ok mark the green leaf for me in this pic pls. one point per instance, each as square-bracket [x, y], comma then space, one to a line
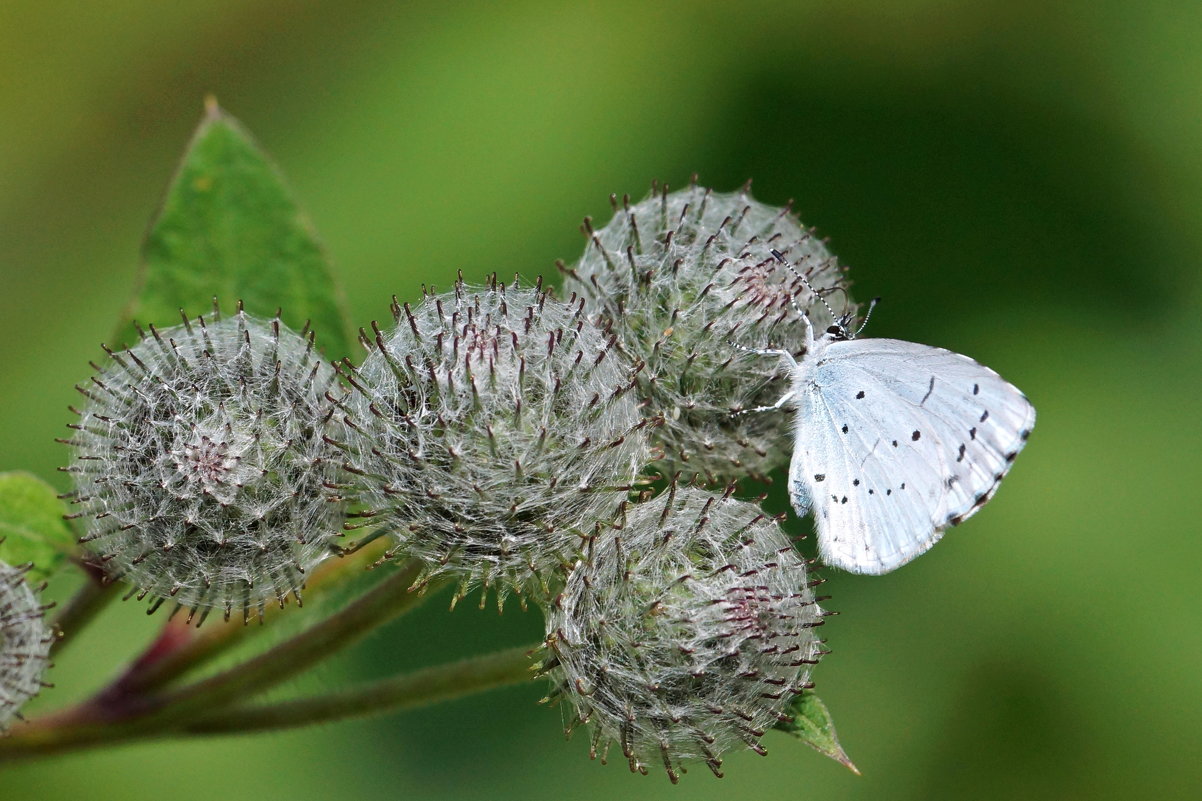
[31, 525]
[229, 228]
[812, 725]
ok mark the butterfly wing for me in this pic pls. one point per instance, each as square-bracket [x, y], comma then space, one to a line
[895, 442]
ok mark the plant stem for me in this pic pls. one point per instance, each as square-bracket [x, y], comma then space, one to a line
[426, 686]
[181, 649]
[374, 608]
[108, 719]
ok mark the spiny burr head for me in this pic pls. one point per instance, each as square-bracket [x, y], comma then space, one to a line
[488, 432]
[24, 643]
[688, 281]
[200, 464]
[684, 632]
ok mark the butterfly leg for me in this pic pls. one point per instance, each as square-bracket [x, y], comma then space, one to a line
[781, 354]
[768, 351]
[788, 396]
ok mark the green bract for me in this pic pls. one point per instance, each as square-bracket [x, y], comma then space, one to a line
[32, 530]
[230, 227]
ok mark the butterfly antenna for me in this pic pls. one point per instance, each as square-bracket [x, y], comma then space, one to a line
[781, 258]
[871, 305]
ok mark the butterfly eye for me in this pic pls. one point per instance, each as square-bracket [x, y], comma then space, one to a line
[837, 331]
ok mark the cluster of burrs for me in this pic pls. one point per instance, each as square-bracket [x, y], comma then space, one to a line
[508, 440]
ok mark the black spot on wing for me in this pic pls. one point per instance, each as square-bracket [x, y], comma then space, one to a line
[979, 500]
[930, 389]
[860, 395]
[820, 476]
[916, 436]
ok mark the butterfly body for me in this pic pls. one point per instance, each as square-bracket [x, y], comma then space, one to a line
[895, 442]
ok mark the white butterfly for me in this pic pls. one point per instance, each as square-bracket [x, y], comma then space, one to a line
[894, 442]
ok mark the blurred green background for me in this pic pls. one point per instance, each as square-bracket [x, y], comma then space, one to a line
[1021, 181]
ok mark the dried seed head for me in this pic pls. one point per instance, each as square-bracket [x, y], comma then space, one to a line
[24, 643]
[200, 464]
[680, 277]
[488, 431]
[686, 631]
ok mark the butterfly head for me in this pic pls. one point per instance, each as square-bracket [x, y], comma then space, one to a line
[842, 329]
[839, 331]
